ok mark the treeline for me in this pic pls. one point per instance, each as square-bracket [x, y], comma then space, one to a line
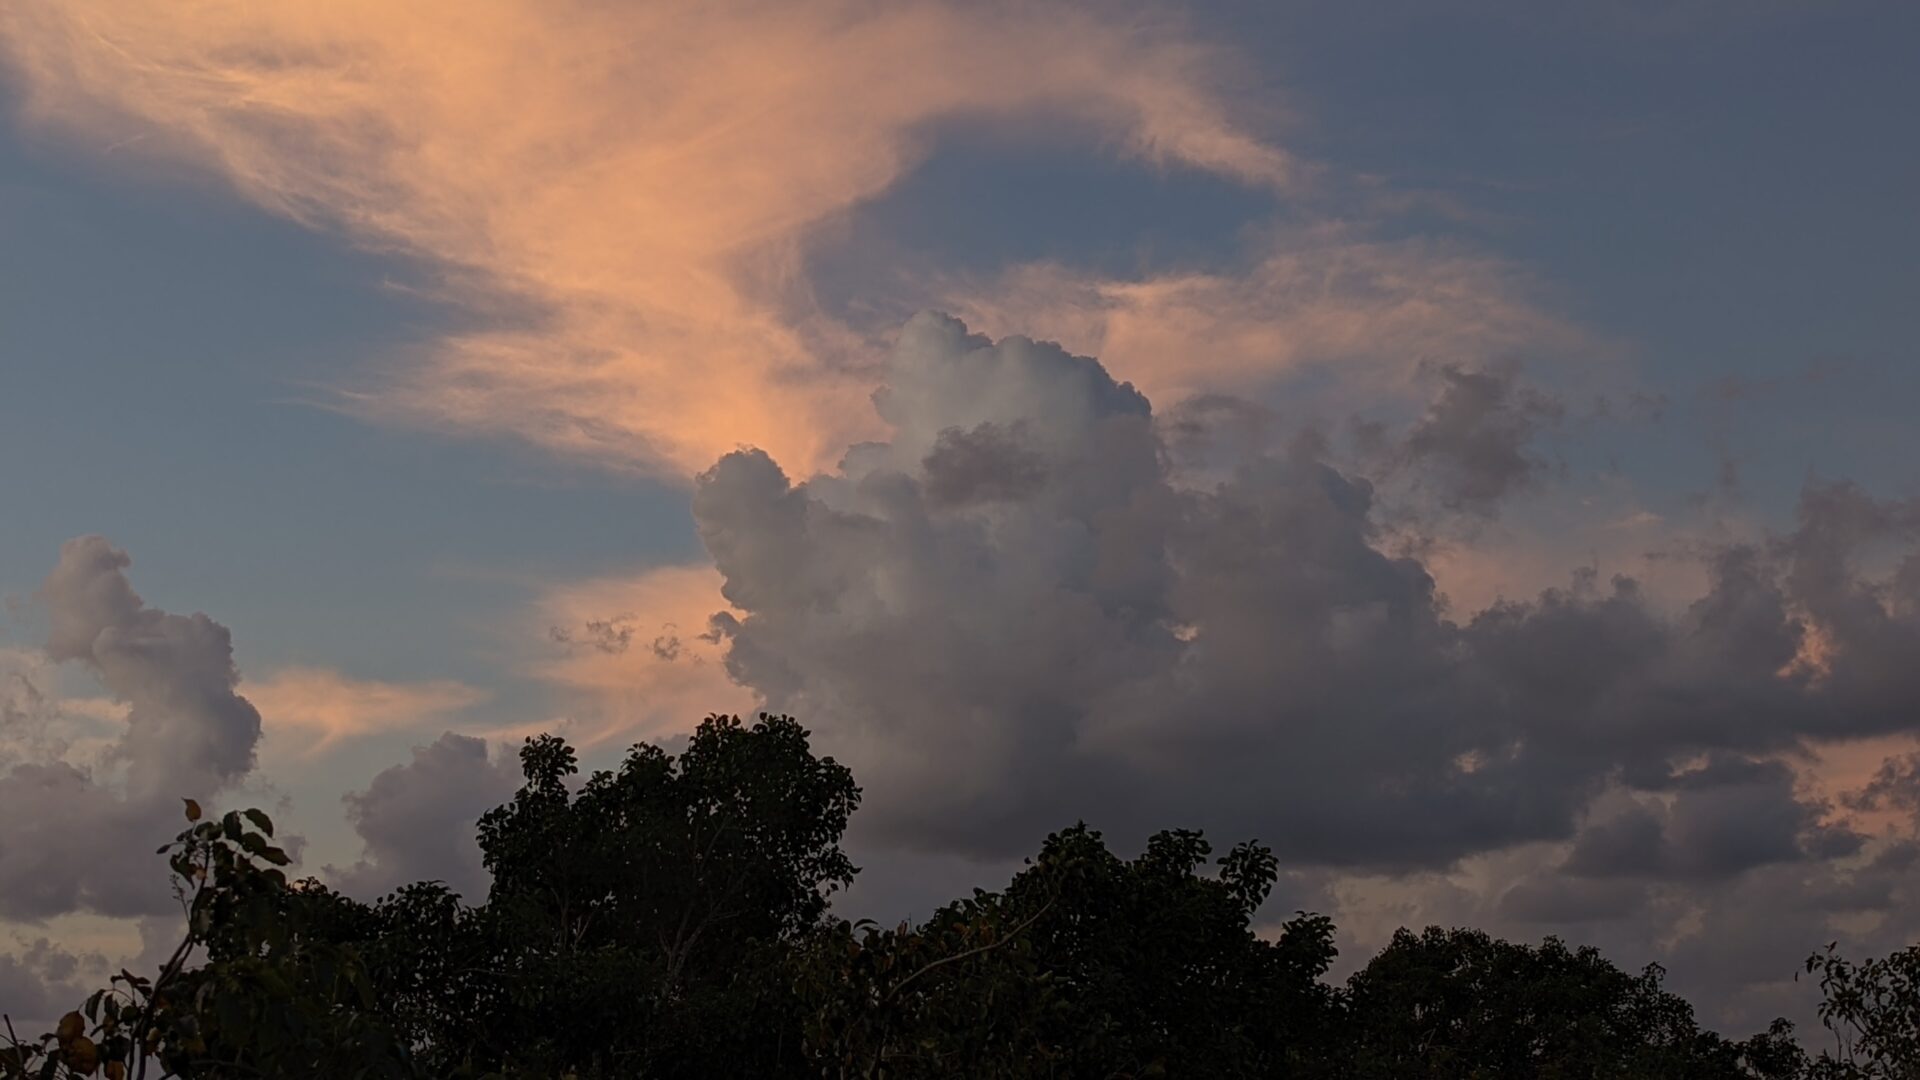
[669, 919]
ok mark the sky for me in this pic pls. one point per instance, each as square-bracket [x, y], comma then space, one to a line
[1466, 446]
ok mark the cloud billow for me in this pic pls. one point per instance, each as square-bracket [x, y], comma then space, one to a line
[1013, 613]
[416, 820]
[188, 732]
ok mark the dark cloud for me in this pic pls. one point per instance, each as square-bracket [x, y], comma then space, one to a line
[1207, 435]
[1632, 844]
[1129, 644]
[987, 464]
[1561, 902]
[88, 842]
[1475, 438]
[1895, 786]
[40, 981]
[417, 819]
[1731, 918]
[82, 847]
[1722, 819]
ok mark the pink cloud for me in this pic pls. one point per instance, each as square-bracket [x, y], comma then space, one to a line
[632, 180]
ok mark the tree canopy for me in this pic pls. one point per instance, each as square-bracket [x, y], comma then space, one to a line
[671, 918]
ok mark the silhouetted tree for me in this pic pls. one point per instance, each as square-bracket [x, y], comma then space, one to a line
[1872, 1009]
[668, 918]
[1087, 965]
[1461, 1004]
[256, 987]
[635, 927]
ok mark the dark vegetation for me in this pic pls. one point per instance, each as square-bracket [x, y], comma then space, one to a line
[669, 919]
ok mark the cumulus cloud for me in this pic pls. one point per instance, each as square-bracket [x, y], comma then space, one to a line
[1079, 626]
[416, 820]
[1723, 818]
[40, 981]
[186, 732]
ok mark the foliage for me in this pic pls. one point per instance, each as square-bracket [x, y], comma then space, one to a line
[1872, 1009]
[1087, 965]
[1458, 1003]
[270, 997]
[669, 918]
[635, 926]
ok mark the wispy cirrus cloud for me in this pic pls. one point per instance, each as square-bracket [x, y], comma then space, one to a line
[1326, 298]
[631, 183]
[321, 707]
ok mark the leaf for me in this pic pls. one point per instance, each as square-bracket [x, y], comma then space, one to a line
[72, 1026]
[193, 809]
[261, 821]
[82, 1056]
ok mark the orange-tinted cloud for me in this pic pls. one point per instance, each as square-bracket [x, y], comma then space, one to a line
[628, 183]
[631, 653]
[324, 707]
[1321, 297]
[1837, 770]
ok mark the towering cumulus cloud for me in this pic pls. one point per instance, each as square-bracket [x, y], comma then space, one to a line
[1018, 614]
[1014, 613]
[87, 843]
[188, 732]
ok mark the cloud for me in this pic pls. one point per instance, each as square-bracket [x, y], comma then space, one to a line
[417, 820]
[186, 733]
[1732, 944]
[627, 190]
[636, 657]
[1726, 817]
[1727, 870]
[325, 706]
[1244, 654]
[1329, 301]
[37, 724]
[1476, 436]
[1895, 786]
[39, 981]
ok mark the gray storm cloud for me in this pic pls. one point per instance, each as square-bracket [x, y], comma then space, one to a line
[40, 982]
[416, 820]
[87, 842]
[1476, 436]
[1020, 611]
[1012, 613]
